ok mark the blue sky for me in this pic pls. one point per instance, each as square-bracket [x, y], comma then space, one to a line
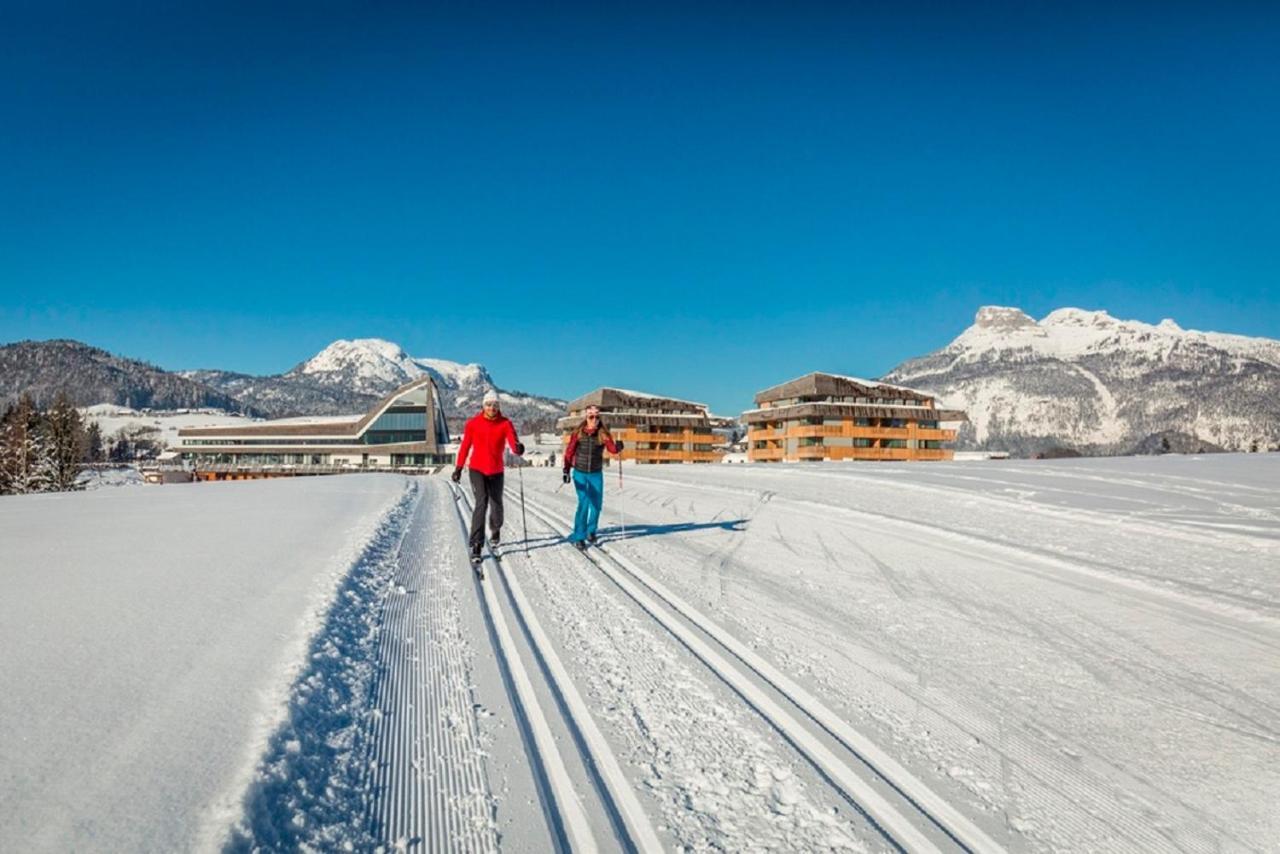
[700, 203]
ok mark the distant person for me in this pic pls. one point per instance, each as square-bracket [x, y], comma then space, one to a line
[551, 461]
[584, 457]
[483, 438]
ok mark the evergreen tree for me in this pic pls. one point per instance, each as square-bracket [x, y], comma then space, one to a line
[93, 451]
[22, 451]
[65, 441]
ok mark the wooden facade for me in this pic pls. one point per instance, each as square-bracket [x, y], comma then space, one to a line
[828, 417]
[652, 429]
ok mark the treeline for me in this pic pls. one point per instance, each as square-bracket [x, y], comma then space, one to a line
[44, 450]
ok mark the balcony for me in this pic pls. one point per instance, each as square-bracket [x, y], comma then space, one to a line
[684, 437]
[852, 430]
[764, 454]
[643, 456]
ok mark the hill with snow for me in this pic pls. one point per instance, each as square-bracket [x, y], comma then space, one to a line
[1102, 385]
[348, 376]
[91, 376]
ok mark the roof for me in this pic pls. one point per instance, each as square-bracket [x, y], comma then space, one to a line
[353, 426]
[818, 384]
[608, 399]
[630, 419]
[851, 410]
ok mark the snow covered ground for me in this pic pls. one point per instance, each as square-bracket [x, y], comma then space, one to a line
[111, 419]
[151, 638]
[1034, 656]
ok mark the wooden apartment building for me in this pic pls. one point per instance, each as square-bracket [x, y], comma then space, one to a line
[829, 417]
[653, 429]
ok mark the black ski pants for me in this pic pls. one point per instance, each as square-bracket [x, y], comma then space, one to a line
[487, 489]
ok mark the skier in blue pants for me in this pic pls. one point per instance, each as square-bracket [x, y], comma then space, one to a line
[584, 457]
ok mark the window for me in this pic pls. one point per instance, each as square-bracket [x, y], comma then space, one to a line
[929, 425]
[896, 443]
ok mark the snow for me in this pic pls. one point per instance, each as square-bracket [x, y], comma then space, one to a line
[455, 374]
[1084, 651]
[111, 419]
[1072, 332]
[1072, 655]
[150, 640]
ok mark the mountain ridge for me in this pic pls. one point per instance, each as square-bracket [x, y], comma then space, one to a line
[1087, 380]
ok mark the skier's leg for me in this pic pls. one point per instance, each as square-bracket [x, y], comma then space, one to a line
[480, 490]
[580, 515]
[495, 503]
[595, 499]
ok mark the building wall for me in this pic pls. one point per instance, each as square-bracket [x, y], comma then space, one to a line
[794, 440]
[682, 445]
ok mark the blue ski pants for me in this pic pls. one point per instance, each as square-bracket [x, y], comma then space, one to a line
[590, 487]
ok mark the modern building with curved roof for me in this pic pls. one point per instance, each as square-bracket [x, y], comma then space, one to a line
[404, 430]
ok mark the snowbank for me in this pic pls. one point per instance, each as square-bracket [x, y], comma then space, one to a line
[151, 638]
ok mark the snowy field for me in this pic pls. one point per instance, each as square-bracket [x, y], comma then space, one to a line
[1029, 656]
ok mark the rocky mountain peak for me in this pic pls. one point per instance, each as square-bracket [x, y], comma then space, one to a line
[1090, 381]
[1079, 317]
[998, 317]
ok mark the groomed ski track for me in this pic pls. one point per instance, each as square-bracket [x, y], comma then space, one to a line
[618, 699]
[912, 817]
[563, 804]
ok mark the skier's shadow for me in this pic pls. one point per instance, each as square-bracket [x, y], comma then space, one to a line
[629, 532]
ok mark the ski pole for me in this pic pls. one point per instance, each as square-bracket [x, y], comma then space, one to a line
[621, 512]
[524, 521]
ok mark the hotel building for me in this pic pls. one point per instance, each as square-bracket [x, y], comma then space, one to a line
[828, 417]
[653, 429]
[403, 431]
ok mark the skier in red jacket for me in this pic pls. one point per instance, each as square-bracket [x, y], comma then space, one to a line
[483, 438]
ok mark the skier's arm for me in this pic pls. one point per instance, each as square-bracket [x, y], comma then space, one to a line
[570, 451]
[516, 447]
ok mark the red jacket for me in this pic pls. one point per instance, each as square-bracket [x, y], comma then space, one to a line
[484, 439]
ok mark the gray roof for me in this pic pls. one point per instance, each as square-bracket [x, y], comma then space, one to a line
[851, 410]
[819, 384]
[615, 398]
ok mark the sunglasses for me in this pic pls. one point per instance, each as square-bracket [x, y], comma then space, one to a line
[492, 403]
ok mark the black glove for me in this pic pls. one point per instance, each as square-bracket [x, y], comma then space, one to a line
[519, 449]
[619, 444]
[456, 476]
[566, 476]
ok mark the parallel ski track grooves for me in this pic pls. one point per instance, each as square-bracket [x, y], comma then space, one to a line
[890, 819]
[575, 827]
[429, 781]
[1015, 747]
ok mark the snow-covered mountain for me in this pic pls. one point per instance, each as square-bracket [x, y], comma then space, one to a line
[1096, 383]
[375, 367]
[350, 375]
